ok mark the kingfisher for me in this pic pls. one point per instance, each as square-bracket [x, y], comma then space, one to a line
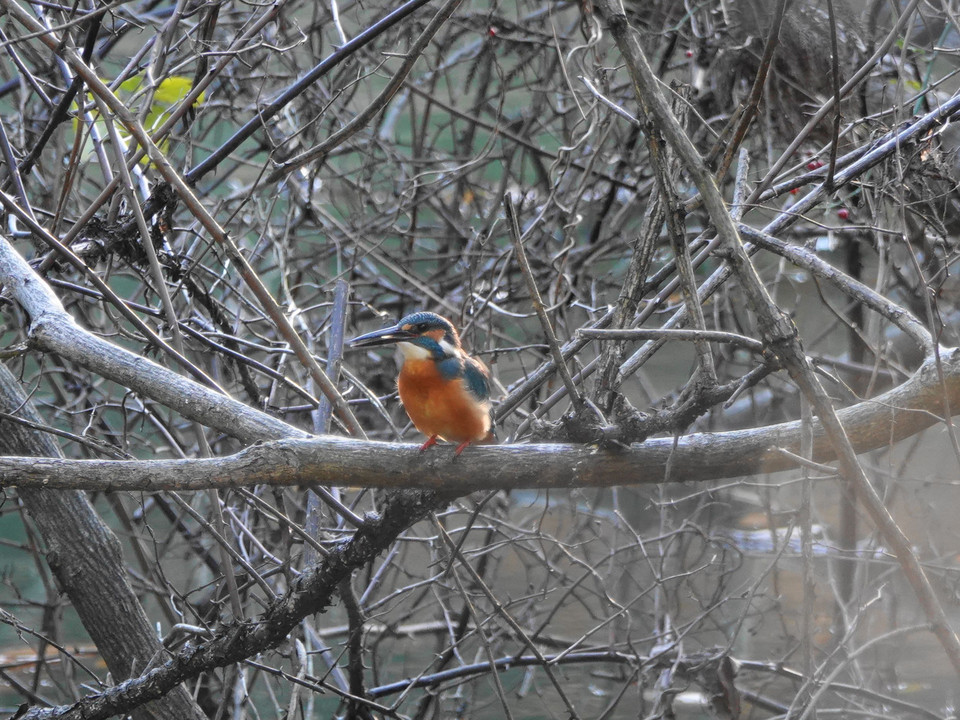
[445, 392]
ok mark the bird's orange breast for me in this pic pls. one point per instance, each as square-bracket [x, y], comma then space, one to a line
[441, 406]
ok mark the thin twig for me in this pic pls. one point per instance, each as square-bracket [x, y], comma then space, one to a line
[835, 75]
[294, 91]
[362, 119]
[561, 366]
[675, 334]
[749, 109]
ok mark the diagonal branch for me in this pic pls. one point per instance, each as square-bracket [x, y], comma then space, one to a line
[778, 330]
[53, 330]
[310, 593]
[206, 219]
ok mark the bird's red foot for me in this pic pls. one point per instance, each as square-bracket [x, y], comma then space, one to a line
[460, 448]
[432, 440]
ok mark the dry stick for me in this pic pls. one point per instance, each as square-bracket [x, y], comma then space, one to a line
[355, 618]
[835, 140]
[321, 425]
[203, 447]
[753, 102]
[673, 213]
[739, 205]
[205, 37]
[806, 544]
[684, 334]
[199, 211]
[320, 495]
[106, 291]
[160, 49]
[320, 152]
[13, 172]
[561, 365]
[779, 330]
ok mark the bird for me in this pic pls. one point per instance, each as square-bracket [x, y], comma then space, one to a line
[445, 392]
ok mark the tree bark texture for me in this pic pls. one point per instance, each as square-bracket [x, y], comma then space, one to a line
[86, 560]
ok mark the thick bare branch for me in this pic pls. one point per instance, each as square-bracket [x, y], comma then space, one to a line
[872, 424]
[53, 330]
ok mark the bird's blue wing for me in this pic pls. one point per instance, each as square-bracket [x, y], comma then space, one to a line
[477, 379]
[473, 372]
[450, 368]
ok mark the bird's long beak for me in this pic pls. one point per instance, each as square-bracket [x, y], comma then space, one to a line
[385, 336]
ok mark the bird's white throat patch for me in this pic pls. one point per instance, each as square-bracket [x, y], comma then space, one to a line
[412, 351]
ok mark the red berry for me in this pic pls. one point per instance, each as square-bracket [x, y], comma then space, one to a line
[689, 53]
[814, 165]
[492, 31]
[794, 191]
[843, 213]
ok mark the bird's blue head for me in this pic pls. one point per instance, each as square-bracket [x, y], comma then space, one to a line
[420, 334]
